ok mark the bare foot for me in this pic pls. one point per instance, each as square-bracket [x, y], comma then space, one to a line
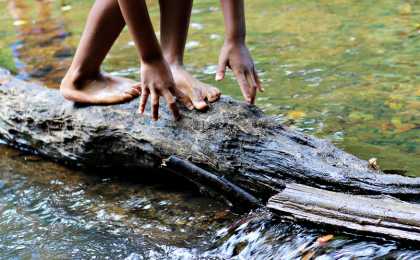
[102, 89]
[195, 91]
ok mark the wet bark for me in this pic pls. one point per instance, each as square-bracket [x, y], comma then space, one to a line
[249, 149]
[381, 215]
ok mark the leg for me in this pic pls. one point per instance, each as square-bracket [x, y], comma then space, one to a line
[84, 82]
[175, 18]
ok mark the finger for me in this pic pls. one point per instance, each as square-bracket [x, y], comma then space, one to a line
[155, 105]
[221, 69]
[253, 87]
[243, 83]
[184, 99]
[257, 79]
[172, 104]
[143, 99]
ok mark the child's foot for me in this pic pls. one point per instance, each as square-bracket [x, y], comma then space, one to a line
[102, 89]
[195, 90]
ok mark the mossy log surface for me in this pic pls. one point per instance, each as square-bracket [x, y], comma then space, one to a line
[382, 215]
[232, 139]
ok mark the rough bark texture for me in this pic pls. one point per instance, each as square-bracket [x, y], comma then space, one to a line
[382, 215]
[233, 140]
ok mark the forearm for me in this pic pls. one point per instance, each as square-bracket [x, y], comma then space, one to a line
[141, 29]
[235, 54]
[234, 16]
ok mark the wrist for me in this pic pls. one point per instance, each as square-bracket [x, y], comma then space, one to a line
[234, 41]
[152, 58]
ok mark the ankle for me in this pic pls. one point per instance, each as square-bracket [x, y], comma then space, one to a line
[77, 75]
[173, 60]
[176, 66]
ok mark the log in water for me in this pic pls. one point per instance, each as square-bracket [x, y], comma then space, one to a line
[381, 215]
[233, 147]
[232, 139]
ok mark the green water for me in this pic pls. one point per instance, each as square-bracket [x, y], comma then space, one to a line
[340, 69]
[343, 70]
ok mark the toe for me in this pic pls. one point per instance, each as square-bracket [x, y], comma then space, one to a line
[213, 94]
[132, 92]
[137, 87]
[198, 100]
[200, 104]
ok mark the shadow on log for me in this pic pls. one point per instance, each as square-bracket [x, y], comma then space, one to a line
[381, 215]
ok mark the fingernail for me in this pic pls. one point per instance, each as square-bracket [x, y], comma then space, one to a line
[219, 77]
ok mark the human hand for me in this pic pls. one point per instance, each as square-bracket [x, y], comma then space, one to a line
[156, 81]
[236, 56]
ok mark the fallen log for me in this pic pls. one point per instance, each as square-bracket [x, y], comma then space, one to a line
[381, 215]
[233, 148]
[231, 139]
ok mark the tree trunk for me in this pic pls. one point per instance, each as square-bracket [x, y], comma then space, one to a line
[381, 215]
[231, 139]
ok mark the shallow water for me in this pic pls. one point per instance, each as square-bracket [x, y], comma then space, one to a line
[51, 212]
[343, 70]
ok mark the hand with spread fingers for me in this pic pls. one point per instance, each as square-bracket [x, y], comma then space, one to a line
[156, 75]
[236, 56]
[156, 82]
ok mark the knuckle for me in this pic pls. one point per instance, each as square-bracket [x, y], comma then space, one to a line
[169, 85]
[248, 68]
[241, 69]
[237, 70]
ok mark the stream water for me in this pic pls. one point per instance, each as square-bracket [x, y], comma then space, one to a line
[343, 70]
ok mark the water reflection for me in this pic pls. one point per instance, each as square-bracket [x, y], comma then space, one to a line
[40, 49]
[52, 212]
